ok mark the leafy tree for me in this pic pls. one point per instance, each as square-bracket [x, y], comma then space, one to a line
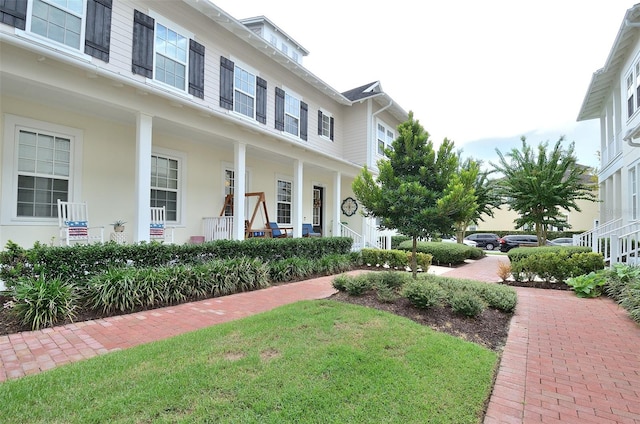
[538, 184]
[460, 202]
[409, 183]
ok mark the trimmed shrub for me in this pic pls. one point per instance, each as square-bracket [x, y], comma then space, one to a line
[356, 286]
[466, 303]
[444, 253]
[424, 294]
[553, 263]
[42, 303]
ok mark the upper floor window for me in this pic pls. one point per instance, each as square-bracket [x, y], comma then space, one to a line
[40, 166]
[284, 48]
[325, 125]
[242, 91]
[166, 53]
[631, 89]
[385, 137]
[171, 57]
[58, 20]
[291, 114]
[70, 24]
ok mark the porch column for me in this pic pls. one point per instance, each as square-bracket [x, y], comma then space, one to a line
[296, 213]
[240, 169]
[616, 203]
[337, 196]
[144, 129]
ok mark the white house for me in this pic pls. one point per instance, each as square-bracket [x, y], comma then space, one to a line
[133, 104]
[613, 97]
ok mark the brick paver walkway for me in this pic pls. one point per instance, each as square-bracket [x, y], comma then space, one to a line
[567, 360]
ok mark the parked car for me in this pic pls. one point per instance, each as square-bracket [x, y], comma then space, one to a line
[563, 241]
[487, 241]
[451, 239]
[509, 242]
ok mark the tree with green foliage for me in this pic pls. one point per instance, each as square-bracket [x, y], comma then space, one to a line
[460, 202]
[540, 184]
[410, 181]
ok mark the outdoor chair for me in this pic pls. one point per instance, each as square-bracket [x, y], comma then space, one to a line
[307, 231]
[158, 229]
[280, 232]
[73, 221]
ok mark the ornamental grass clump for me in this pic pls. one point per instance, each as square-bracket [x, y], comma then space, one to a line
[42, 303]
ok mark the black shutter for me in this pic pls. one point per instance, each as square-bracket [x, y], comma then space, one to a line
[98, 29]
[279, 109]
[261, 100]
[143, 27]
[331, 129]
[14, 13]
[196, 69]
[226, 83]
[319, 122]
[304, 118]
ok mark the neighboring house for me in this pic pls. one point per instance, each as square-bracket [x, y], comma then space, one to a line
[503, 219]
[613, 97]
[129, 104]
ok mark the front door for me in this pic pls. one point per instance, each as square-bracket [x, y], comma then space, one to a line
[318, 200]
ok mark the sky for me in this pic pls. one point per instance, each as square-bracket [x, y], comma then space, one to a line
[480, 73]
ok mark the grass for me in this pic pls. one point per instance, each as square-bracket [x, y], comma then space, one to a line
[308, 362]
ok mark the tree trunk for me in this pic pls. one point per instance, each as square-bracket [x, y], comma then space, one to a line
[414, 258]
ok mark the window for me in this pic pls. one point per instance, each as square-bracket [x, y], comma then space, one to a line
[291, 114]
[166, 53]
[284, 48]
[242, 91]
[385, 138]
[39, 163]
[58, 20]
[273, 40]
[283, 211]
[630, 93]
[43, 173]
[633, 188]
[165, 185]
[325, 125]
[69, 23]
[171, 57]
[229, 187]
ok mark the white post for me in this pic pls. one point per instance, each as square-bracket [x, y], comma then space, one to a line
[337, 185]
[614, 250]
[298, 172]
[240, 169]
[144, 141]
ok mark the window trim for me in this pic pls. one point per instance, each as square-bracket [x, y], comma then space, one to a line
[387, 129]
[181, 157]
[239, 64]
[167, 23]
[289, 180]
[322, 113]
[46, 41]
[634, 186]
[12, 125]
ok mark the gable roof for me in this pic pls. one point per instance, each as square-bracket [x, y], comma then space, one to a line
[603, 80]
[364, 91]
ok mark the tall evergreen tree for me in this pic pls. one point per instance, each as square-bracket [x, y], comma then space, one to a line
[409, 183]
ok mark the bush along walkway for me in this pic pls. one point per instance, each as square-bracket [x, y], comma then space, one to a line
[35, 351]
[567, 359]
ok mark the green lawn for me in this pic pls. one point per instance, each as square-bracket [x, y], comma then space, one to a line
[309, 362]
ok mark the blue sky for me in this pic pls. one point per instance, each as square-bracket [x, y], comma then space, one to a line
[482, 73]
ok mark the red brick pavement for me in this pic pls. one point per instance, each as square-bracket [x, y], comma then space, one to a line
[566, 360]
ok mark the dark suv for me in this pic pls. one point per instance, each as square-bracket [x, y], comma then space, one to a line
[487, 241]
[509, 242]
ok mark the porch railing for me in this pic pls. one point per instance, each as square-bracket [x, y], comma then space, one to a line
[357, 238]
[616, 242]
[217, 228]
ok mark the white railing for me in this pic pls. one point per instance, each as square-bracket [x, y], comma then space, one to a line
[616, 242]
[357, 244]
[217, 228]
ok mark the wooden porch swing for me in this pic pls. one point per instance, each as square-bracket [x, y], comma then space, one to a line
[249, 230]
